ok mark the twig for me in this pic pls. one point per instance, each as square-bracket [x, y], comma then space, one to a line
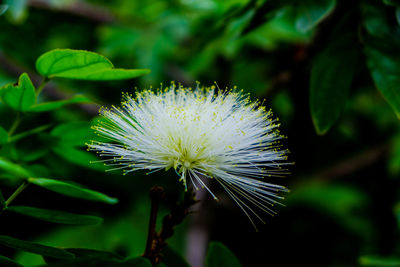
[80, 9]
[36, 130]
[156, 194]
[178, 213]
[41, 86]
[156, 242]
[15, 125]
[15, 194]
[354, 163]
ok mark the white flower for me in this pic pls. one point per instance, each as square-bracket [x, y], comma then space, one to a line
[203, 133]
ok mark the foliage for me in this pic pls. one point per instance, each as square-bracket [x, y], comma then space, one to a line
[329, 69]
[22, 97]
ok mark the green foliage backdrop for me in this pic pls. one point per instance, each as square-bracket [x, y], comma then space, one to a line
[329, 69]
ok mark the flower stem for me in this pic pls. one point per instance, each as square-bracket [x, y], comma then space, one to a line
[156, 241]
[41, 86]
[28, 133]
[15, 125]
[15, 194]
[156, 194]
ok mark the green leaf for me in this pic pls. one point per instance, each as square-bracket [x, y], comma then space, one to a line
[72, 190]
[378, 261]
[127, 229]
[3, 136]
[381, 48]
[219, 255]
[13, 169]
[35, 248]
[56, 216]
[20, 96]
[332, 72]
[385, 71]
[4, 261]
[38, 170]
[83, 65]
[76, 133]
[79, 157]
[3, 9]
[311, 13]
[375, 20]
[138, 262]
[69, 63]
[47, 106]
[171, 258]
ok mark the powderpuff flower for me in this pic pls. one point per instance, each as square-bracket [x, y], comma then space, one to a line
[202, 133]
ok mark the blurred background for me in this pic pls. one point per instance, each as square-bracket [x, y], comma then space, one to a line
[329, 70]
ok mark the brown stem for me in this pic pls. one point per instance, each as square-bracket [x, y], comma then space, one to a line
[156, 242]
[178, 213]
[156, 194]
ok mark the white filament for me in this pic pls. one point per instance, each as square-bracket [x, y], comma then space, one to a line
[201, 133]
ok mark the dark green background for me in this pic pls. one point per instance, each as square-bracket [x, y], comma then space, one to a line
[330, 70]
